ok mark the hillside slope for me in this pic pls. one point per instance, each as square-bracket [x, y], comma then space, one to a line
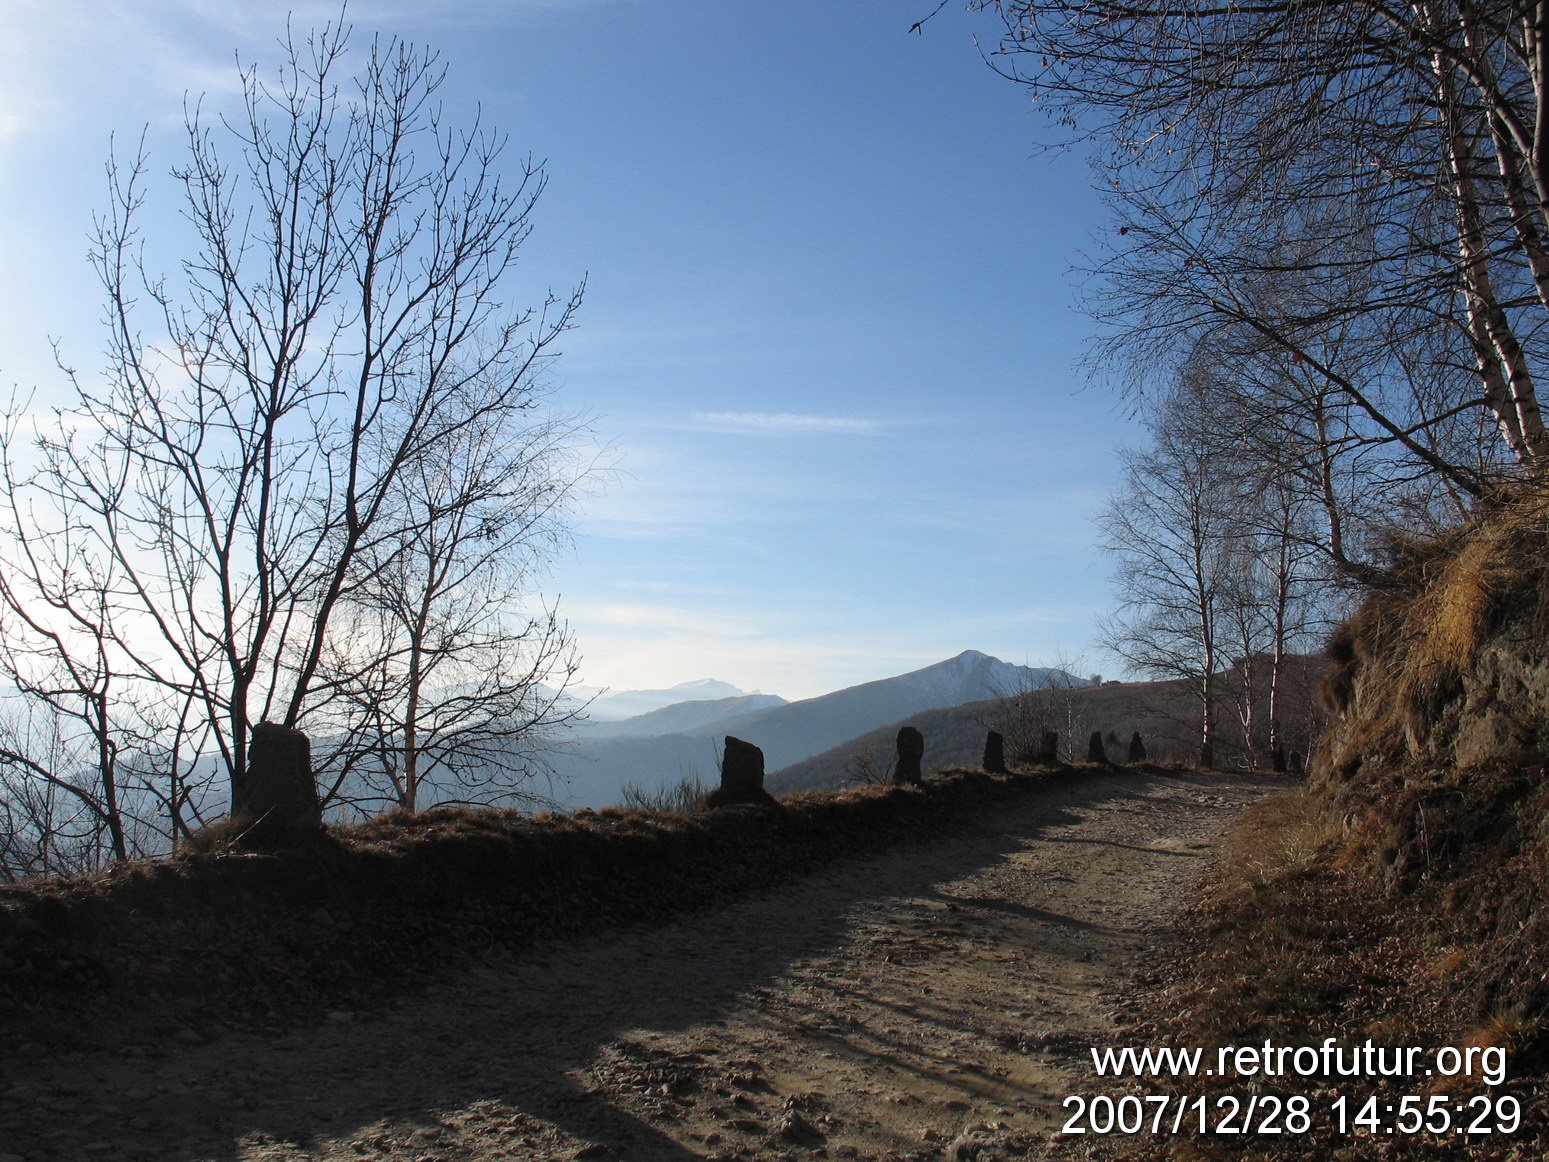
[596, 770]
[1437, 750]
[1404, 897]
[705, 716]
[1165, 714]
[790, 733]
[615, 705]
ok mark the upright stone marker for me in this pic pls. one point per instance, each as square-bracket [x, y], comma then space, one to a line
[911, 749]
[276, 804]
[742, 776]
[1094, 748]
[994, 753]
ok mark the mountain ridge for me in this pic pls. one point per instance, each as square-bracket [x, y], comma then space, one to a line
[695, 717]
[598, 767]
[606, 705]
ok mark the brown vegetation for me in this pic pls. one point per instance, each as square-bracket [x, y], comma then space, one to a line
[144, 949]
[1404, 895]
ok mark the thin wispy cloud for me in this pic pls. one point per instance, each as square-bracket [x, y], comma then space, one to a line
[663, 620]
[788, 424]
[56, 50]
[680, 588]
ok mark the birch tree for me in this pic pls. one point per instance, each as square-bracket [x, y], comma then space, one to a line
[1357, 188]
[1172, 537]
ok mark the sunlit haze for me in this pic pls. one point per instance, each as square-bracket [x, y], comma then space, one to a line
[829, 333]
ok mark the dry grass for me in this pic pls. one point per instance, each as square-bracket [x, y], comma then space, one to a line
[684, 797]
[1502, 1030]
[1301, 955]
[112, 956]
[1405, 654]
[1277, 838]
[1258, 959]
[1405, 896]
[1447, 965]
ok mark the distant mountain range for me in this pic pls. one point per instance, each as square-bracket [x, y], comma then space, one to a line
[616, 705]
[1164, 713]
[682, 739]
[716, 715]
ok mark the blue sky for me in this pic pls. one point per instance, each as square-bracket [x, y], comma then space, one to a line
[829, 333]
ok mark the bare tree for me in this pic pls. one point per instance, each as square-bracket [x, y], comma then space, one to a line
[1172, 533]
[868, 765]
[442, 673]
[60, 651]
[1351, 192]
[52, 814]
[1281, 600]
[1041, 703]
[321, 417]
[1222, 572]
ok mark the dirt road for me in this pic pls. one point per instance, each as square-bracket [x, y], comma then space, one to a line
[934, 1002]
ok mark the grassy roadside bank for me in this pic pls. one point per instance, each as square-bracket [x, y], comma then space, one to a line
[1299, 935]
[144, 949]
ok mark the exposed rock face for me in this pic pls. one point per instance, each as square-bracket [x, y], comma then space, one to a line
[1137, 748]
[1444, 665]
[276, 804]
[911, 750]
[1095, 751]
[1433, 764]
[994, 753]
[742, 776]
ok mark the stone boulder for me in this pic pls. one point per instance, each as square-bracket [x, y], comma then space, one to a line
[911, 750]
[1095, 751]
[994, 753]
[275, 804]
[742, 776]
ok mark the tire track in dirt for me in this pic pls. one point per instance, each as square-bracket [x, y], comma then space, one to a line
[936, 1001]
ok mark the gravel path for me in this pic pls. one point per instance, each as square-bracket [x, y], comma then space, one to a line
[935, 1002]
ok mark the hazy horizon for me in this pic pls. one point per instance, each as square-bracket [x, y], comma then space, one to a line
[828, 335]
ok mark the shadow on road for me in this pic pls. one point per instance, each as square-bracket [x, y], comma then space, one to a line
[524, 1032]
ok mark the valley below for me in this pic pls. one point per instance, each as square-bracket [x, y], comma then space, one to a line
[933, 1001]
